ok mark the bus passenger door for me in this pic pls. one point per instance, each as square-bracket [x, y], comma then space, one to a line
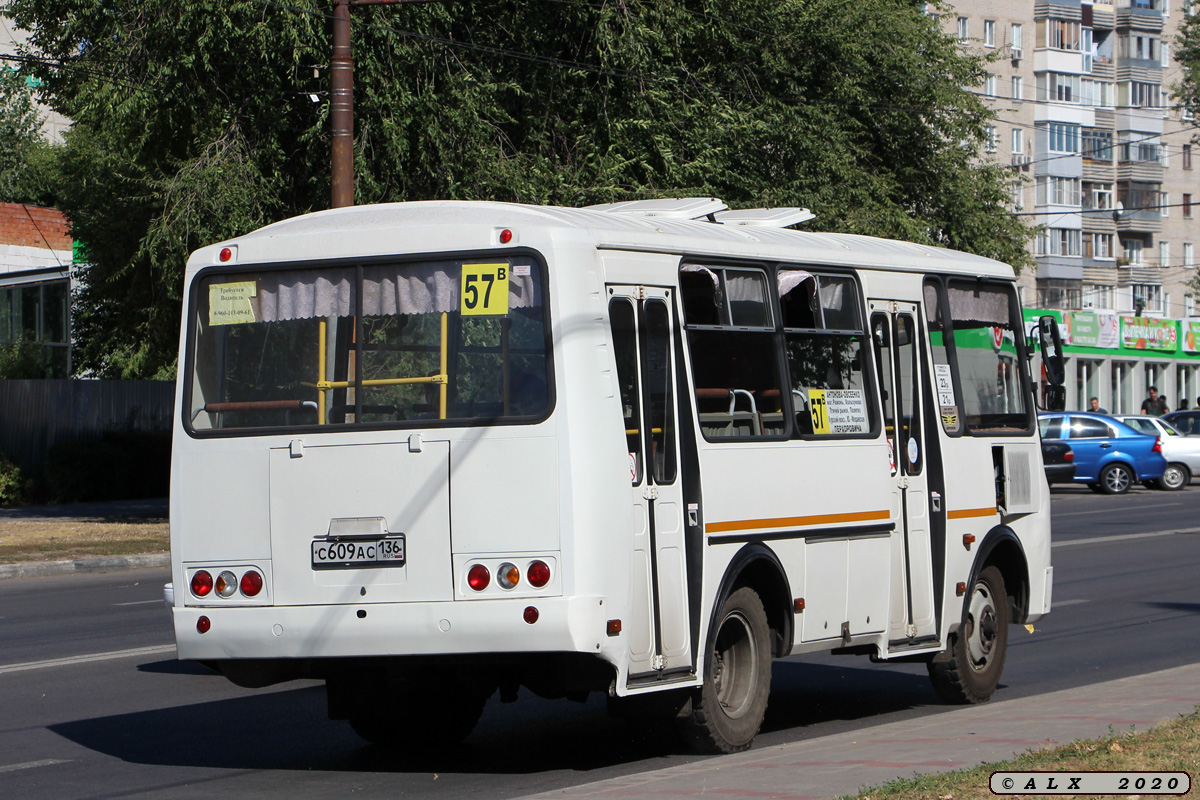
[895, 332]
[643, 332]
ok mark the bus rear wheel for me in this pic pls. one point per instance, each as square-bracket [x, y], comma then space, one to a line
[724, 715]
[968, 670]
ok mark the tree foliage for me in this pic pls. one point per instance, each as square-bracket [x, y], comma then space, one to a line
[25, 160]
[194, 123]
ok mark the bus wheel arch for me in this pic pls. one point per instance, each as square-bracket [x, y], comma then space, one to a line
[969, 669]
[757, 567]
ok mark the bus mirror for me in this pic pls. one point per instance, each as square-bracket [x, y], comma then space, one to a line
[1052, 352]
[1054, 398]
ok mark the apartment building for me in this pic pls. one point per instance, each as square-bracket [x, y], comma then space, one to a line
[1082, 111]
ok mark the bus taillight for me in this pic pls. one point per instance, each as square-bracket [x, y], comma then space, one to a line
[479, 577]
[252, 583]
[538, 574]
[507, 575]
[202, 583]
[227, 584]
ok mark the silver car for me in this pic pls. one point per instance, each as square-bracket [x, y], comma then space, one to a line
[1182, 452]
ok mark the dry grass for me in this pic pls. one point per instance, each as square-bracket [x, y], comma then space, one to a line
[23, 540]
[1171, 747]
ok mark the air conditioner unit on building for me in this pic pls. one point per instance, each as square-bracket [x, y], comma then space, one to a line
[1021, 160]
[1015, 53]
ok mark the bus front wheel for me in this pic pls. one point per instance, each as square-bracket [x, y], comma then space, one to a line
[968, 670]
[724, 715]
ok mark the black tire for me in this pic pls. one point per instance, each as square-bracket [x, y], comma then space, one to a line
[724, 715]
[1095, 487]
[1174, 478]
[968, 670]
[1116, 479]
[431, 716]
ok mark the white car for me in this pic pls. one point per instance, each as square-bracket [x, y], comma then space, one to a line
[1182, 452]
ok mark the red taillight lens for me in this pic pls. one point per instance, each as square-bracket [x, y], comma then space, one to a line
[203, 625]
[538, 574]
[505, 236]
[1158, 444]
[252, 583]
[226, 254]
[530, 615]
[478, 578]
[202, 583]
[1070, 456]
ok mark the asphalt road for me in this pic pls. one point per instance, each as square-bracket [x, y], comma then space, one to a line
[137, 723]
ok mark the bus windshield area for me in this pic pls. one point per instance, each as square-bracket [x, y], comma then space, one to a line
[406, 344]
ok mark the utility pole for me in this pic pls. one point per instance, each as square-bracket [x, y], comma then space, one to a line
[341, 100]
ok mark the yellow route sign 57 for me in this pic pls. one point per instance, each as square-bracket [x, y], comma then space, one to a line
[484, 290]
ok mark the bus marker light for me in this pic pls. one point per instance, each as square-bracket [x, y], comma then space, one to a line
[531, 614]
[539, 574]
[226, 583]
[960, 589]
[968, 540]
[614, 627]
[203, 625]
[506, 236]
[479, 577]
[798, 605]
[202, 583]
[507, 575]
[226, 254]
[252, 583]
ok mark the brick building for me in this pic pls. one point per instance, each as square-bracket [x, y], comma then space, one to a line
[35, 283]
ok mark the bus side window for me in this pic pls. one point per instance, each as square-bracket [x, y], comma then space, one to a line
[624, 333]
[728, 311]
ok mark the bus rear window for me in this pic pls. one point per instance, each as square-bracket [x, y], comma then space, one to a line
[405, 344]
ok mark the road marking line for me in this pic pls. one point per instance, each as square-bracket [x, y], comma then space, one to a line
[1109, 510]
[1061, 603]
[62, 662]
[1123, 537]
[139, 602]
[45, 762]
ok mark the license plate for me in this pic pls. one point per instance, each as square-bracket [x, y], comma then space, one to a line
[351, 553]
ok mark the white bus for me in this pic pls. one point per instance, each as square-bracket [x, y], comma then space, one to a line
[427, 451]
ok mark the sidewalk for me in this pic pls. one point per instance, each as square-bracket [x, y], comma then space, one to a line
[845, 763]
[111, 511]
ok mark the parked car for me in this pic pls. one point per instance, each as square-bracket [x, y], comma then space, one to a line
[1058, 460]
[1110, 456]
[1182, 452]
[1186, 422]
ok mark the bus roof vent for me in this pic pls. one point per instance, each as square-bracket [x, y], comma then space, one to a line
[671, 207]
[765, 217]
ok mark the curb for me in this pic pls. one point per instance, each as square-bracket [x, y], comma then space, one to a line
[38, 569]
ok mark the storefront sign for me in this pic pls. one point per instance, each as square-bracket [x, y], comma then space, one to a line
[1149, 333]
[1089, 329]
[1191, 336]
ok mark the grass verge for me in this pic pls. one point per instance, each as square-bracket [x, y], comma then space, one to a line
[23, 540]
[1171, 747]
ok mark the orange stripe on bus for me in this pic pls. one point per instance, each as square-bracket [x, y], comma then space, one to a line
[967, 513]
[793, 522]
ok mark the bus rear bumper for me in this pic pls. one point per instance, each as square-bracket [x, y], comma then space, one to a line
[563, 624]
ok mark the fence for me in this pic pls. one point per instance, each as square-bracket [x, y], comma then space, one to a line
[35, 414]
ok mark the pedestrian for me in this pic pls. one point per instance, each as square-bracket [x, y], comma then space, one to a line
[1154, 405]
[1094, 406]
[1197, 404]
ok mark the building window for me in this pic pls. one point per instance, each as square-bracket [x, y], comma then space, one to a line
[1052, 190]
[993, 138]
[1018, 195]
[1056, 87]
[1096, 93]
[1018, 141]
[1164, 254]
[1097, 195]
[1097, 144]
[1136, 94]
[1148, 296]
[1187, 156]
[1015, 36]
[989, 33]
[1139, 46]
[1062, 34]
[1189, 306]
[989, 85]
[1187, 206]
[1088, 48]
[964, 29]
[1062, 137]
[1135, 196]
[1141, 147]
[1018, 88]
[1133, 252]
[1098, 245]
[1164, 204]
[1059, 242]
[1189, 255]
[1097, 295]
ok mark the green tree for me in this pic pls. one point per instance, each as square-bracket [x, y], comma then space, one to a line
[25, 157]
[194, 123]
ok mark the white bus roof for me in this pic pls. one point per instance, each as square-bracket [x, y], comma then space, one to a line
[388, 227]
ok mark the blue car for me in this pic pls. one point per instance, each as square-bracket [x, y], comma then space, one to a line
[1110, 456]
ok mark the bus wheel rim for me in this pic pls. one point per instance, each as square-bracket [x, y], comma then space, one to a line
[736, 666]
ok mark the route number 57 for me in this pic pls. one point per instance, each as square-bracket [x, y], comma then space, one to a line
[484, 290]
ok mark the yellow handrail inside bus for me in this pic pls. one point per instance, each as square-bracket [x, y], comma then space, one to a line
[442, 379]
